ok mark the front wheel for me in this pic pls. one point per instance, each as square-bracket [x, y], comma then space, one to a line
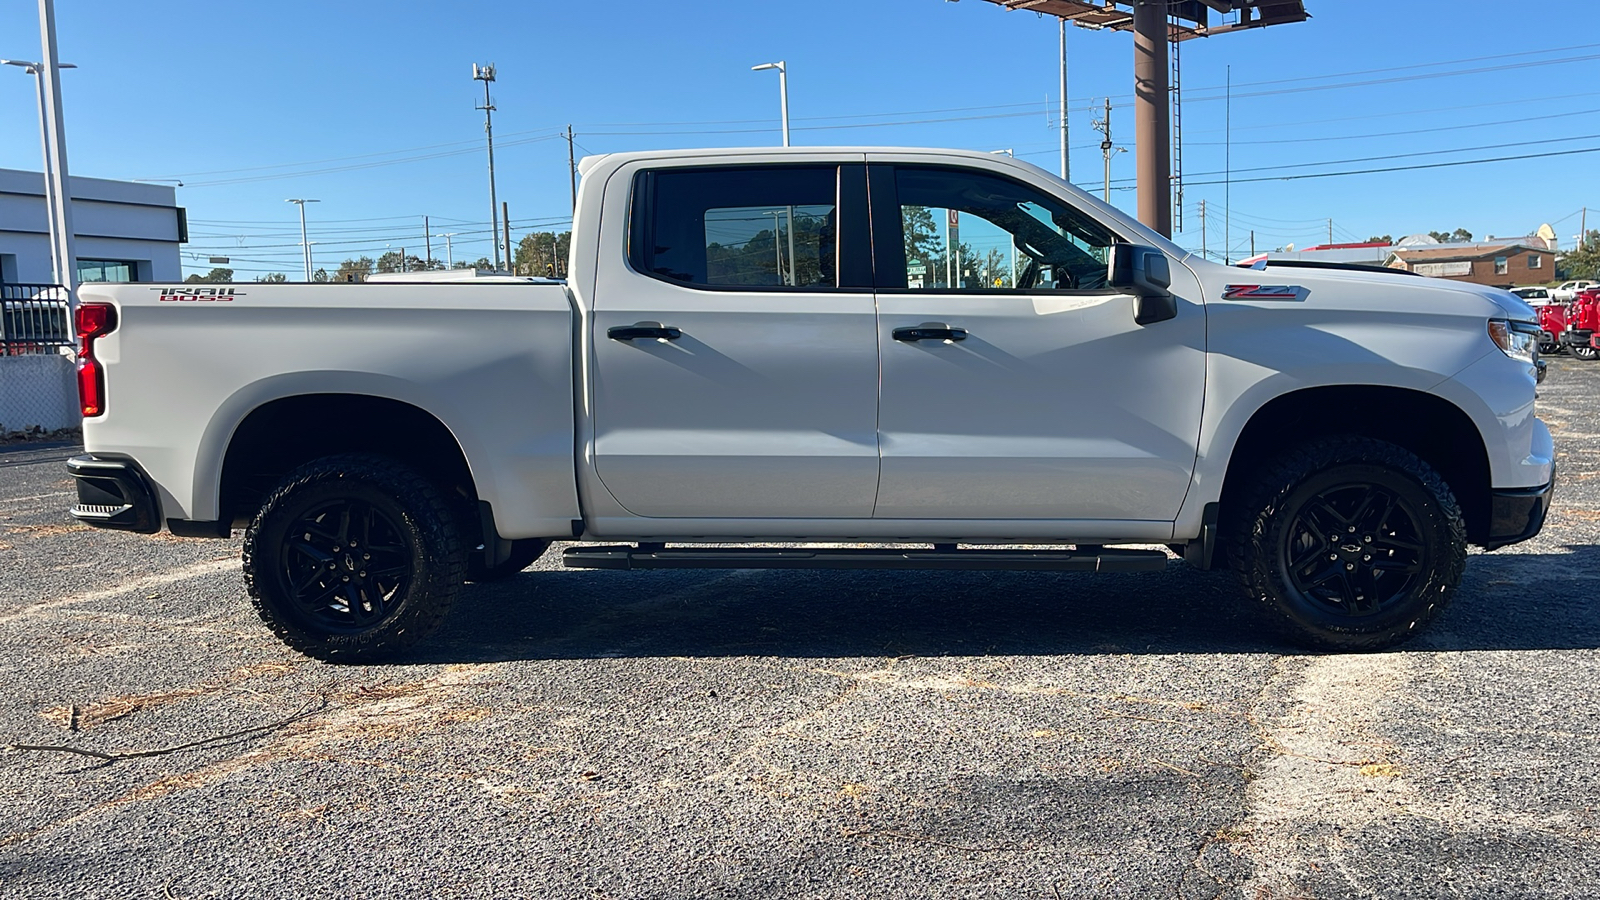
[1354, 543]
[1550, 348]
[1585, 351]
[353, 558]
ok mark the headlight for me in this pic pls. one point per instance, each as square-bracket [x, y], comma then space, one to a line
[1518, 340]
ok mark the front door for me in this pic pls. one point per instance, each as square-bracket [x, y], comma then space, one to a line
[1015, 384]
[736, 363]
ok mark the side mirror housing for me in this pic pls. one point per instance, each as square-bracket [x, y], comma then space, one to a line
[1145, 273]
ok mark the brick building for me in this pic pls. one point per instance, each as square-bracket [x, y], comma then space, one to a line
[1501, 265]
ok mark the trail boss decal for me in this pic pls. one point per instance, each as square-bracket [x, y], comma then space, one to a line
[1262, 292]
[205, 294]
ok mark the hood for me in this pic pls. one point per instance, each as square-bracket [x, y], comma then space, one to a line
[1396, 286]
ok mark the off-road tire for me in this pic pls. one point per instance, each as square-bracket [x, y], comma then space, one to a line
[386, 611]
[1315, 493]
[524, 553]
[1584, 351]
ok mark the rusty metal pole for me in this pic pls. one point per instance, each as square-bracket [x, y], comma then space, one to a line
[1152, 125]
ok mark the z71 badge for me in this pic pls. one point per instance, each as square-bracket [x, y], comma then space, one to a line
[1262, 292]
[204, 295]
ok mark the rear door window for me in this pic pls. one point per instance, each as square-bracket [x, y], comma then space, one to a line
[739, 227]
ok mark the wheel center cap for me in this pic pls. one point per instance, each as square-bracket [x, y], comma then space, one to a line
[1351, 548]
[349, 562]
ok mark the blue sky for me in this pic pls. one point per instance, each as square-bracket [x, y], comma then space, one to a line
[383, 93]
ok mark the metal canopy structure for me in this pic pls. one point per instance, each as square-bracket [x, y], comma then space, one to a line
[1156, 25]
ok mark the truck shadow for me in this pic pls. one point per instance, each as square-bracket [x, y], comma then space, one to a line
[1508, 601]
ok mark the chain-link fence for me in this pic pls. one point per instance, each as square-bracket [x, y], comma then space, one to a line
[37, 389]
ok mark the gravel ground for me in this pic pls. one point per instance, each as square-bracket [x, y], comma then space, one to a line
[796, 734]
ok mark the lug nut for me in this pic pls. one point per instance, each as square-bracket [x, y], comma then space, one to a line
[1333, 557]
[1352, 529]
[369, 555]
[1349, 567]
[347, 578]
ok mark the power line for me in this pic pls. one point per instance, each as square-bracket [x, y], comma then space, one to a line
[1440, 165]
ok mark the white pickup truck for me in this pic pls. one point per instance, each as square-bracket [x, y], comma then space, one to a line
[875, 347]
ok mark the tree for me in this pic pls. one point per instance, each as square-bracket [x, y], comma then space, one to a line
[354, 269]
[215, 276]
[924, 246]
[1380, 238]
[1459, 236]
[542, 253]
[320, 275]
[272, 278]
[1582, 261]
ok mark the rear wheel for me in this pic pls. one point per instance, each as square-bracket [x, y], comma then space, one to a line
[1354, 543]
[353, 558]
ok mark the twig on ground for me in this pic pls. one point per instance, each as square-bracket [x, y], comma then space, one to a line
[305, 712]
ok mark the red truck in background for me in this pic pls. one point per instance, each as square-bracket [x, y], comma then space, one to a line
[1582, 320]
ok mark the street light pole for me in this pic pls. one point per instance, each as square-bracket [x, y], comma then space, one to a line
[33, 68]
[50, 81]
[783, 91]
[1066, 165]
[449, 250]
[485, 74]
[305, 246]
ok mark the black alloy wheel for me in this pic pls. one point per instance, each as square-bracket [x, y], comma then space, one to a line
[1354, 549]
[1354, 543]
[345, 562]
[353, 558]
[1585, 351]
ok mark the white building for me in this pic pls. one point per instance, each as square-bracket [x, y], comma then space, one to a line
[126, 231]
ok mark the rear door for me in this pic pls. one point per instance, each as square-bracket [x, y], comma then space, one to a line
[1016, 385]
[735, 356]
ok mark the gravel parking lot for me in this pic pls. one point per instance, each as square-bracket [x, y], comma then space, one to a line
[796, 734]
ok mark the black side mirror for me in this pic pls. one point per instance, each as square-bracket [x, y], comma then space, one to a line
[1143, 272]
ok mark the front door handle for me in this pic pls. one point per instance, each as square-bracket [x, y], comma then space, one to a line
[643, 330]
[930, 331]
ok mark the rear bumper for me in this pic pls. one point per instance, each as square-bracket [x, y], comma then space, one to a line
[113, 493]
[1516, 515]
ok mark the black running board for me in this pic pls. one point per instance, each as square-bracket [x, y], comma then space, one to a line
[657, 557]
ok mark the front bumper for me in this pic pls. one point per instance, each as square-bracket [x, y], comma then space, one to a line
[1518, 514]
[113, 493]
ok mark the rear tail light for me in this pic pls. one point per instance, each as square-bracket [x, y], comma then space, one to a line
[93, 320]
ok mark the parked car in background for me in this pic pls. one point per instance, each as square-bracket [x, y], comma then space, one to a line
[1569, 290]
[1552, 316]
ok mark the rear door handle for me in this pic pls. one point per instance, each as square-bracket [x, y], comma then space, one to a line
[930, 331]
[640, 330]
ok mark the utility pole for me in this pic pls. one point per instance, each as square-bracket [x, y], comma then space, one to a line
[1252, 242]
[63, 242]
[403, 259]
[427, 244]
[505, 222]
[1583, 229]
[1330, 229]
[1227, 165]
[485, 74]
[1103, 125]
[449, 250]
[1066, 164]
[1204, 253]
[305, 246]
[572, 169]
